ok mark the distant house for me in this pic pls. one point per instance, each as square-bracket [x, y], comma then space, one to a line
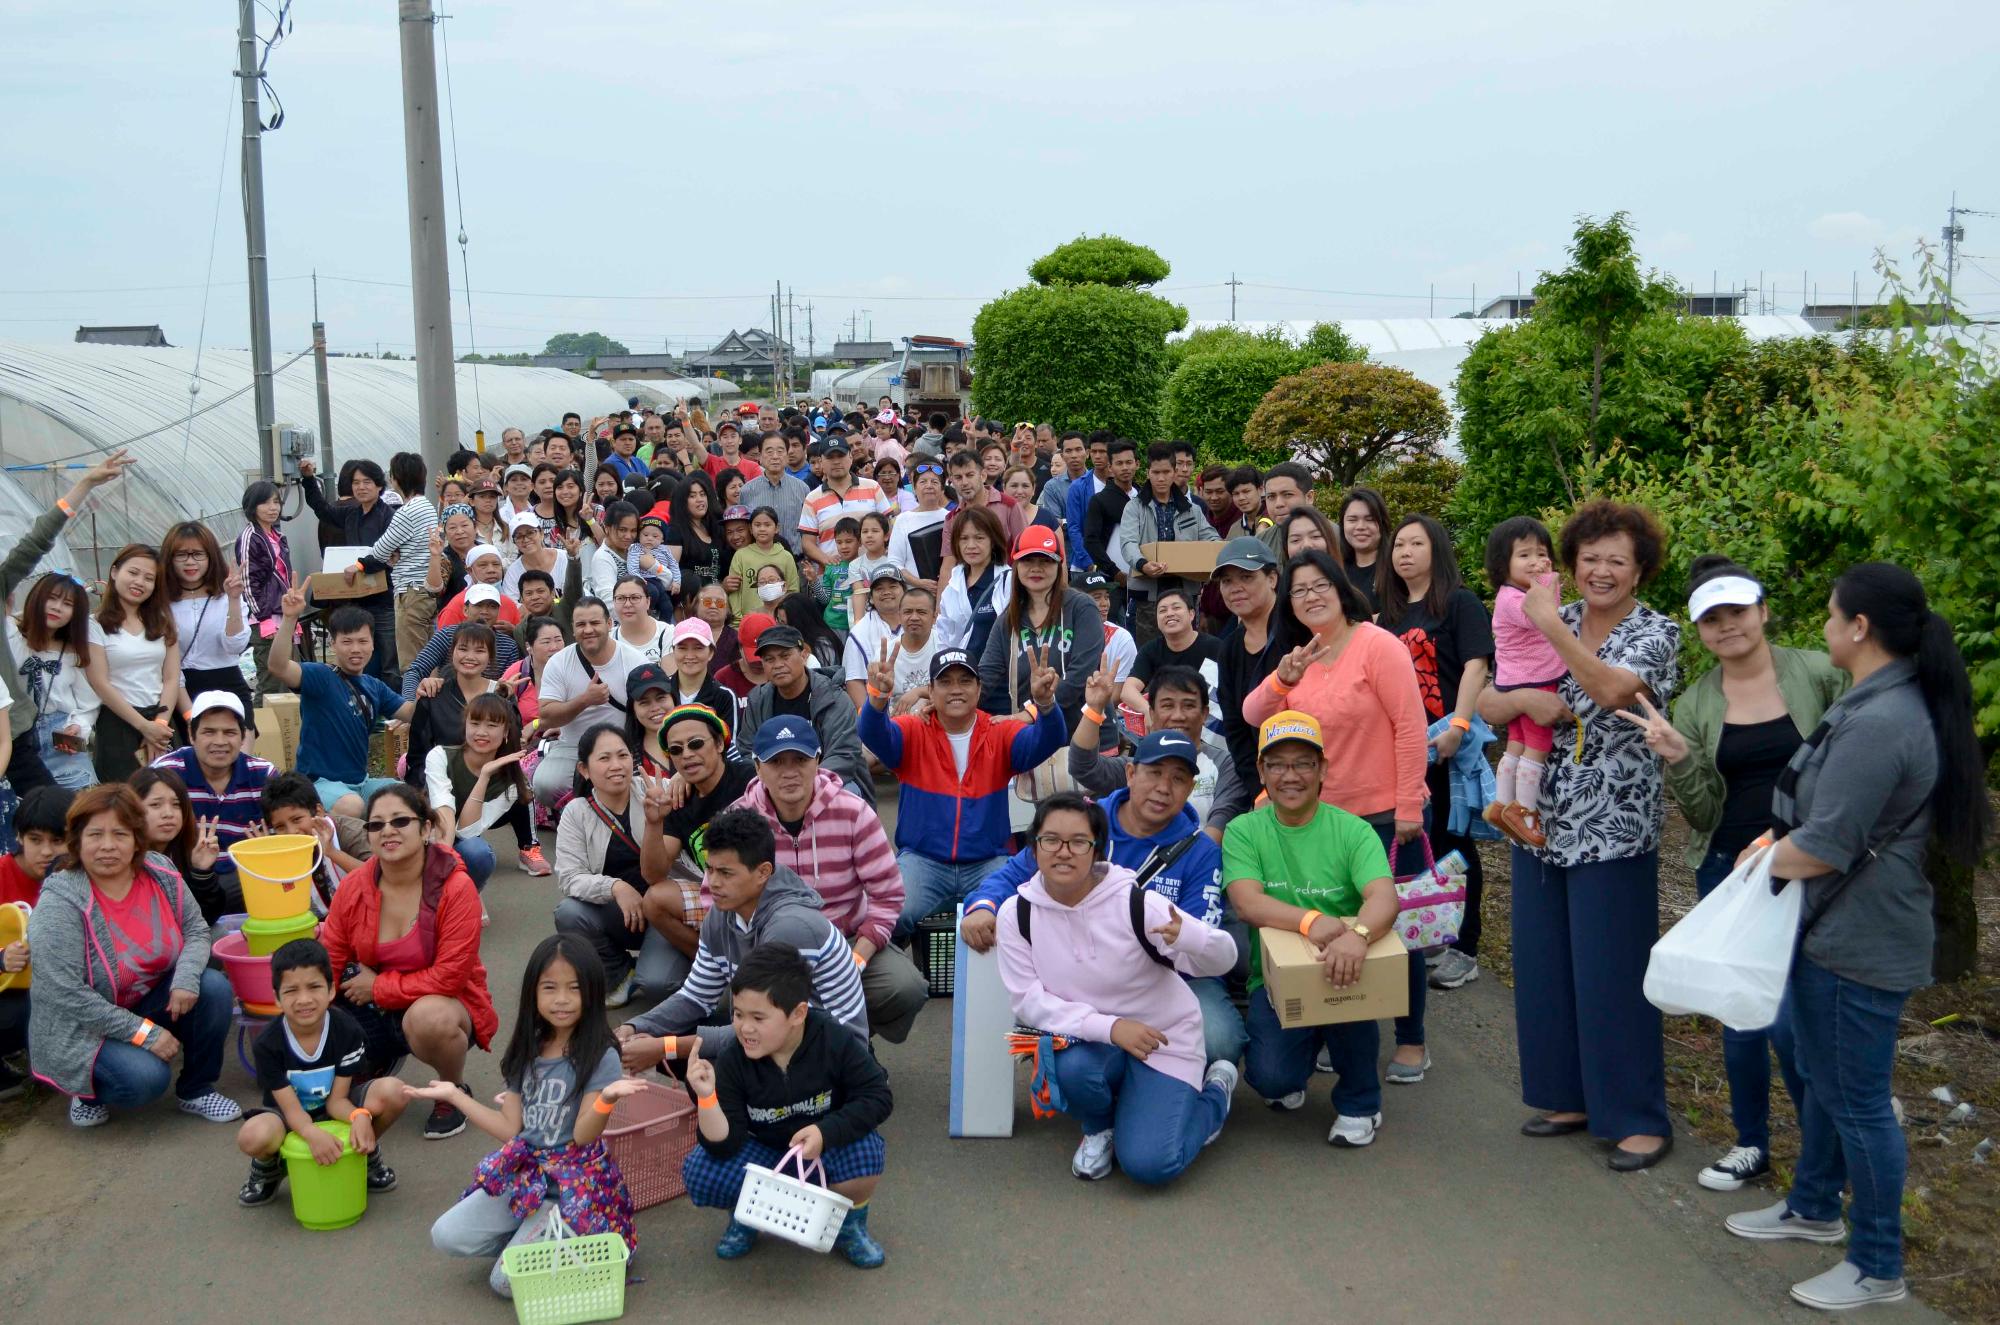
[1508, 305]
[151, 338]
[858, 352]
[1717, 303]
[743, 355]
[639, 367]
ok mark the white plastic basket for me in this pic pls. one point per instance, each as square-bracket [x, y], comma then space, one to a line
[801, 1209]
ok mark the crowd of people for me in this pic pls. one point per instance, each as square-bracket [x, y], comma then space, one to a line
[698, 651]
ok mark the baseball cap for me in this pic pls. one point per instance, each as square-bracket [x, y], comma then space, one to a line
[836, 441]
[479, 550]
[485, 487]
[836, 428]
[947, 658]
[1245, 553]
[481, 593]
[1166, 745]
[819, 423]
[752, 629]
[886, 416]
[1290, 725]
[736, 513]
[1093, 580]
[747, 407]
[1038, 541]
[781, 734]
[644, 678]
[1724, 591]
[524, 471]
[729, 424]
[780, 637]
[694, 628]
[209, 700]
[520, 520]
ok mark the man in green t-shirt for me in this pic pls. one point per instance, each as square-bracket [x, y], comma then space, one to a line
[1298, 863]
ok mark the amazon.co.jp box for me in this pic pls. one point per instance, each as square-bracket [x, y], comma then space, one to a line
[1301, 994]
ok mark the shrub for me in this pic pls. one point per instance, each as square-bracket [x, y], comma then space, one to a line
[1340, 418]
[1103, 260]
[1080, 356]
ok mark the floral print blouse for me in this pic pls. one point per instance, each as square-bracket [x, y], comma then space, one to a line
[1603, 796]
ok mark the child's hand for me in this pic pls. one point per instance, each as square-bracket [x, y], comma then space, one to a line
[809, 1142]
[437, 1092]
[324, 1145]
[361, 1133]
[700, 1072]
[1543, 602]
[623, 1088]
[642, 1053]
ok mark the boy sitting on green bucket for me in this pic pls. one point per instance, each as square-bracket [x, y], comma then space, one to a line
[305, 1063]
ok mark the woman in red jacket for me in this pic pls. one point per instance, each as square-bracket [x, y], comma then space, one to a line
[404, 935]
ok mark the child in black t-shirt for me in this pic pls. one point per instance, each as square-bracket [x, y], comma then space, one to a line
[794, 1078]
[306, 1061]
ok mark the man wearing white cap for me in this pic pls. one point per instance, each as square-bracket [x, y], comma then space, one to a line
[224, 784]
[483, 566]
[482, 604]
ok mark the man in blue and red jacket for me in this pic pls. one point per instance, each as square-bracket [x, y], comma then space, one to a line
[954, 764]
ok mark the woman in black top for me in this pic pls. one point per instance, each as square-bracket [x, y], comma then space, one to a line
[1364, 528]
[802, 613]
[357, 523]
[439, 718]
[695, 534]
[1450, 638]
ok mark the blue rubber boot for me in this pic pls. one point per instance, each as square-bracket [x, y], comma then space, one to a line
[737, 1240]
[854, 1243]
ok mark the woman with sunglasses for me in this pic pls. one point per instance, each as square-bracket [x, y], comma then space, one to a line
[926, 512]
[403, 935]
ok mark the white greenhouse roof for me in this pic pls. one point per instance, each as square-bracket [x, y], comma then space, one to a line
[62, 405]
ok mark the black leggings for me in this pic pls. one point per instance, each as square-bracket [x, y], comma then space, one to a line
[13, 1021]
[522, 820]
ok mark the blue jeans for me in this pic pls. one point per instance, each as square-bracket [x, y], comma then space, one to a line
[1280, 1061]
[478, 858]
[127, 1076]
[330, 791]
[1746, 1055]
[932, 885]
[1845, 1039]
[1222, 1030]
[1162, 1122]
[1408, 860]
[72, 771]
[1589, 1040]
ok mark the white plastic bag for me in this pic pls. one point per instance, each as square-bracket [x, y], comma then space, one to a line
[1729, 958]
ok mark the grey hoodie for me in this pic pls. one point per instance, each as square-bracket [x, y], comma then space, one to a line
[75, 1006]
[787, 912]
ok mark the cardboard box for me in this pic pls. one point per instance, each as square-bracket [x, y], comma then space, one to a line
[332, 585]
[278, 731]
[1193, 561]
[1301, 994]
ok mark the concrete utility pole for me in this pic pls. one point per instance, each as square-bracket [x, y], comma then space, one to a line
[1232, 283]
[430, 269]
[253, 233]
[320, 386]
[1953, 232]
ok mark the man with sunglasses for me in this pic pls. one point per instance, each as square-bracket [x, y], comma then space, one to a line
[705, 782]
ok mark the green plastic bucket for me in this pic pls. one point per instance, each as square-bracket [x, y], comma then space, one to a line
[331, 1197]
[265, 937]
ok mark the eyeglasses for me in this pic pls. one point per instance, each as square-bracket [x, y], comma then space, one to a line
[191, 554]
[399, 822]
[1321, 590]
[1301, 767]
[1054, 845]
[693, 747]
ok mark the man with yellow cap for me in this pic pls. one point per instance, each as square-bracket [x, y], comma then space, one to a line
[1298, 863]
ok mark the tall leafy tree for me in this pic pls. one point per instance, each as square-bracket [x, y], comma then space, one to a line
[1340, 418]
[1225, 371]
[591, 343]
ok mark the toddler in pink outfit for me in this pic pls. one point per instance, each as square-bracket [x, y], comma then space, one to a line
[1520, 554]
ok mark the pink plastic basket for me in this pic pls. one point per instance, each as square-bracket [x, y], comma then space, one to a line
[649, 1134]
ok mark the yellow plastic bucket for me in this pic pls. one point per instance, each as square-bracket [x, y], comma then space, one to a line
[276, 873]
[14, 929]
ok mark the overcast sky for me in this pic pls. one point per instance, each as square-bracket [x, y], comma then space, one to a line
[621, 161]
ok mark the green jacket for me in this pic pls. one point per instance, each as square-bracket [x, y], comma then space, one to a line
[19, 565]
[1809, 682]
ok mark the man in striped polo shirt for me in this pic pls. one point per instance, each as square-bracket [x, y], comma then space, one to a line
[840, 496]
[225, 785]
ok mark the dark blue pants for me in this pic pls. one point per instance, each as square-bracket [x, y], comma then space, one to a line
[1408, 860]
[1589, 1040]
[127, 1076]
[1746, 1055]
[1280, 1061]
[1161, 1122]
[1844, 1036]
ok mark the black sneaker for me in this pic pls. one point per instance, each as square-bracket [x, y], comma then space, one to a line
[445, 1120]
[1743, 1164]
[381, 1178]
[261, 1187]
[12, 1083]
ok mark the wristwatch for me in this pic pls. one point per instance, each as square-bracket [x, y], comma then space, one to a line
[1367, 935]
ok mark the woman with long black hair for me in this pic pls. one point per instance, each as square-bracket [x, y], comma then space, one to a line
[695, 535]
[206, 598]
[1892, 766]
[801, 611]
[265, 560]
[50, 645]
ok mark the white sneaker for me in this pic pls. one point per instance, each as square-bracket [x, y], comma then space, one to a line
[1224, 1075]
[1741, 1165]
[84, 1114]
[1092, 1160]
[1845, 1287]
[1351, 1133]
[1453, 969]
[621, 993]
[215, 1107]
[1777, 1223]
[1291, 1103]
[1323, 1060]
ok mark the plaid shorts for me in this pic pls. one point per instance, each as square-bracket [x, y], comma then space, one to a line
[716, 1182]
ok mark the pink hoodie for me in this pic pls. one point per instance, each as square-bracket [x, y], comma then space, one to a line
[1085, 971]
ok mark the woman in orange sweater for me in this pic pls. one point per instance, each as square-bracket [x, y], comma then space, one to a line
[1358, 681]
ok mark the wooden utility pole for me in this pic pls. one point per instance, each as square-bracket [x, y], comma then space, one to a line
[430, 269]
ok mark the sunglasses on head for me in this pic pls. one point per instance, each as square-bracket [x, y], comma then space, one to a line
[928, 469]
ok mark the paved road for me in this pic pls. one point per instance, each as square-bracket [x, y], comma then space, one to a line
[1450, 1215]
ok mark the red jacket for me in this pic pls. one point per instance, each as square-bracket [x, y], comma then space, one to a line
[451, 905]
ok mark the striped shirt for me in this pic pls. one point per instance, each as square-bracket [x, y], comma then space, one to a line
[234, 809]
[825, 508]
[842, 851]
[408, 541]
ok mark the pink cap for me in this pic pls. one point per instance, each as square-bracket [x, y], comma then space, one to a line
[694, 628]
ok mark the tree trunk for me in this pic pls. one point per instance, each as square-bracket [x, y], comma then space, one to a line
[1955, 909]
[1596, 401]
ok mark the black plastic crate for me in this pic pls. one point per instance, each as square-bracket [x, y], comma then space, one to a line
[935, 950]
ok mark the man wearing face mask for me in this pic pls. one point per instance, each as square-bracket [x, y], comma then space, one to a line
[831, 838]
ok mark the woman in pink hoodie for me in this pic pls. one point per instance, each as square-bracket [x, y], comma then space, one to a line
[1087, 956]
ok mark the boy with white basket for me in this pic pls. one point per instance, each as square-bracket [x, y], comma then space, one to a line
[795, 1086]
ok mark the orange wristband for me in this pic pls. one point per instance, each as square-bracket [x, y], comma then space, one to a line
[1765, 841]
[1278, 684]
[707, 1102]
[672, 1043]
[140, 1036]
[1092, 715]
[1306, 923]
[62, 504]
[600, 1105]
[1463, 724]
[860, 962]
[360, 1113]
[873, 693]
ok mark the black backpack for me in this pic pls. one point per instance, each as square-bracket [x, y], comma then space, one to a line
[1137, 898]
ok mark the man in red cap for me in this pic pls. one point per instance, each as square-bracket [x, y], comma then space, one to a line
[747, 672]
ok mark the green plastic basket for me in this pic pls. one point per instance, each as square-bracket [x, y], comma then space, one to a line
[565, 1279]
